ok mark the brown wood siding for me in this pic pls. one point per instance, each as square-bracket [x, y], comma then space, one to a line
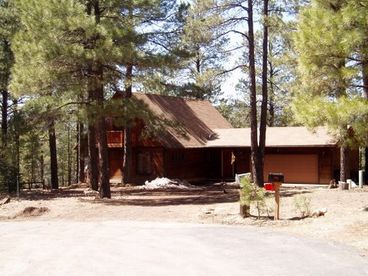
[353, 164]
[186, 163]
[157, 163]
[242, 160]
[228, 168]
[325, 166]
[115, 162]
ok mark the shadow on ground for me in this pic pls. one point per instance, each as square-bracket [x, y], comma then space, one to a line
[140, 197]
[171, 198]
[160, 197]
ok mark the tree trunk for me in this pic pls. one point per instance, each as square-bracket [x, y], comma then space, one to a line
[91, 136]
[344, 169]
[82, 142]
[69, 159]
[53, 156]
[42, 174]
[263, 119]
[253, 95]
[127, 151]
[271, 100]
[4, 117]
[104, 177]
[92, 157]
[77, 156]
[365, 96]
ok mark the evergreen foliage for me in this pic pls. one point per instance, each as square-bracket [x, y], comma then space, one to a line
[332, 90]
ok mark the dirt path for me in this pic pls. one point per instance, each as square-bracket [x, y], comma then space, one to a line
[345, 222]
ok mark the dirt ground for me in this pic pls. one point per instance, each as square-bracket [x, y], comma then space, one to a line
[346, 220]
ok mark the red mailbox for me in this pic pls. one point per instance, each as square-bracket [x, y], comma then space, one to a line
[269, 187]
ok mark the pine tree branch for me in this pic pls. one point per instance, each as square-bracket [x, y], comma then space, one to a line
[231, 70]
[234, 5]
[232, 31]
[71, 103]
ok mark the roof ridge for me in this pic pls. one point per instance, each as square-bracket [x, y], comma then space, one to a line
[172, 96]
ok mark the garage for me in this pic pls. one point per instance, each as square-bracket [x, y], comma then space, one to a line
[297, 168]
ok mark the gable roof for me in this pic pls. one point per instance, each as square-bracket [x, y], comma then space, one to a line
[275, 137]
[205, 127]
[197, 118]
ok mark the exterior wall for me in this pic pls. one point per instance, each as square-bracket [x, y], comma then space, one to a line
[186, 163]
[215, 163]
[156, 164]
[353, 164]
[115, 163]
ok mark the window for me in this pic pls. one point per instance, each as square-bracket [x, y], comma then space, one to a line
[144, 164]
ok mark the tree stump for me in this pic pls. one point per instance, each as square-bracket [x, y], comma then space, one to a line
[343, 185]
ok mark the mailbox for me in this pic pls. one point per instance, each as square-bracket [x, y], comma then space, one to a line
[276, 177]
[269, 187]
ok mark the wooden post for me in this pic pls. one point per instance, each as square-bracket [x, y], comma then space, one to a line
[276, 179]
[277, 200]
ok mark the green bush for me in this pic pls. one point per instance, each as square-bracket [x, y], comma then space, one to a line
[302, 205]
[251, 193]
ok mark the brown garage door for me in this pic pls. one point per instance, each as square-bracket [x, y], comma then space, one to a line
[297, 168]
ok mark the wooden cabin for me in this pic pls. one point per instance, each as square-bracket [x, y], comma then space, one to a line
[204, 146]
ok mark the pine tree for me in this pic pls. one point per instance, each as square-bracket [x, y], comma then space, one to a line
[205, 40]
[8, 25]
[79, 51]
[331, 91]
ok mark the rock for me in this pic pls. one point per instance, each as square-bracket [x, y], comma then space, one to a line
[208, 211]
[33, 211]
[5, 200]
[319, 212]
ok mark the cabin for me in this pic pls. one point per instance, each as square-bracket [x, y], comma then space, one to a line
[204, 146]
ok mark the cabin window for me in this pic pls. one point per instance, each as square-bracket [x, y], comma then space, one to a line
[144, 164]
[177, 156]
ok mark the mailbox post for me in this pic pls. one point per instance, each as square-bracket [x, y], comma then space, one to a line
[276, 179]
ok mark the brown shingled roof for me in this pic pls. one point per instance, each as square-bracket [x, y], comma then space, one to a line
[205, 127]
[197, 117]
[275, 137]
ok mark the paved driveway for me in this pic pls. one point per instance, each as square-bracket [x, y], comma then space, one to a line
[143, 248]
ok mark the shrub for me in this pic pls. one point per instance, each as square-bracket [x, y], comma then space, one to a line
[302, 205]
[249, 192]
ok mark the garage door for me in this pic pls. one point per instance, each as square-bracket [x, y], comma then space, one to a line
[297, 168]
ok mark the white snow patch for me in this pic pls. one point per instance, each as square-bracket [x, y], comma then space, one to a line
[164, 183]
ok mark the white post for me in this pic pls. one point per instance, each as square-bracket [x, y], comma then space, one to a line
[349, 183]
[360, 178]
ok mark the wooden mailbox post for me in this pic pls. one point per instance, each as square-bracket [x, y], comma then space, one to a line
[276, 179]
